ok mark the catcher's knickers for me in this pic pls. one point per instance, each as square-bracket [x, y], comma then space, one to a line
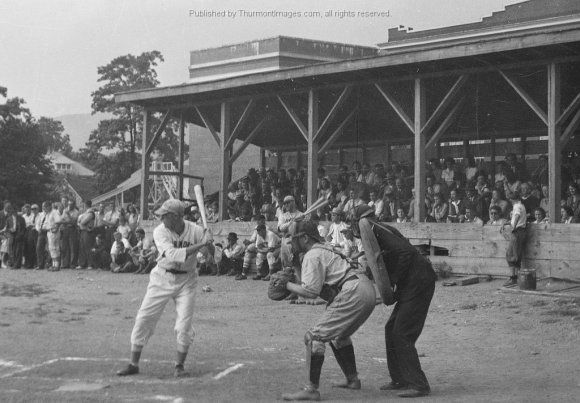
[163, 287]
[348, 311]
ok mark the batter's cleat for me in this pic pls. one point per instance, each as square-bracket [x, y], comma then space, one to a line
[393, 386]
[130, 370]
[267, 278]
[354, 385]
[179, 371]
[257, 277]
[241, 277]
[413, 393]
[304, 394]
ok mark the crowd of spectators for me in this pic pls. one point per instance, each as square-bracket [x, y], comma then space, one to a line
[61, 235]
[455, 193]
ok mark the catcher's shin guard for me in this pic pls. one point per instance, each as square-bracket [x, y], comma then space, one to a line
[314, 361]
[346, 360]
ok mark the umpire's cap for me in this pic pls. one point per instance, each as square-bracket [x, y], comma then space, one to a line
[307, 228]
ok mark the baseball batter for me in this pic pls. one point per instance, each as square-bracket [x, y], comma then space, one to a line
[173, 278]
[351, 300]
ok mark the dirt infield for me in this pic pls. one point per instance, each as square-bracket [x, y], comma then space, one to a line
[65, 331]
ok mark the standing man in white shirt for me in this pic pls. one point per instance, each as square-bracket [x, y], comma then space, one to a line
[42, 227]
[174, 278]
[30, 217]
[518, 236]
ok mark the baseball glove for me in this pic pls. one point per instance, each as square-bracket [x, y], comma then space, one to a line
[277, 288]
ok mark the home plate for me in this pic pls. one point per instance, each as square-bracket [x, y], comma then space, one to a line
[81, 387]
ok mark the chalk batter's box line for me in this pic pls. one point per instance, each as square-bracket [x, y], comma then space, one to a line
[24, 369]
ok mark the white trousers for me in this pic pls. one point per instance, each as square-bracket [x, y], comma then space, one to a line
[163, 286]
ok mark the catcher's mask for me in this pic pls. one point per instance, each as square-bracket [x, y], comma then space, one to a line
[306, 228]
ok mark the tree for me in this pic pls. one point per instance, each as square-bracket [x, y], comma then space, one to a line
[25, 171]
[123, 132]
[53, 133]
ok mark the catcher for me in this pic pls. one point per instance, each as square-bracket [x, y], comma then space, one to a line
[351, 300]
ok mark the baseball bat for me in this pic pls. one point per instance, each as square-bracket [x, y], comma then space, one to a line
[200, 204]
[316, 206]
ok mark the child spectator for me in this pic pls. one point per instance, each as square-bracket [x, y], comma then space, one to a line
[401, 217]
[120, 253]
[540, 216]
[334, 235]
[495, 216]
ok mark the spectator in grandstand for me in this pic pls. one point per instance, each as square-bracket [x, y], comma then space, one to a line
[471, 170]
[472, 197]
[511, 183]
[448, 174]
[567, 215]
[456, 207]
[368, 176]
[540, 175]
[325, 188]
[545, 200]
[480, 183]
[500, 170]
[213, 212]
[434, 169]
[498, 199]
[268, 210]
[516, 168]
[439, 209]
[402, 192]
[573, 201]
[471, 215]
[530, 201]
[290, 214]
[540, 216]
[357, 170]
[401, 217]
[376, 203]
[335, 235]
[351, 246]
[341, 192]
[390, 206]
[495, 216]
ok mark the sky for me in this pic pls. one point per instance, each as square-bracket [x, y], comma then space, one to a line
[50, 50]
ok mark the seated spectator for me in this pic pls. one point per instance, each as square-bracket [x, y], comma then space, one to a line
[232, 215]
[232, 258]
[325, 188]
[401, 217]
[342, 176]
[267, 249]
[376, 203]
[540, 175]
[529, 201]
[402, 192]
[440, 209]
[388, 184]
[147, 258]
[448, 174]
[498, 199]
[472, 197]
[567, 215]
[484, 202]
[124, 229]
[367, 174]
[357, 171]
[516, 168]
[573, 201]
[268, 210]
[390, 206]
[456, 208]
[495, 217]
[500, 169]
[458, 182]
[289, 214]
[434, 169]
[540, 216]
[121, 260]
[99, 257]
[341, 192]
[511, 183]
[334, 235]
[213, 212]
[471, 215]
[351, 246]
[480, 183]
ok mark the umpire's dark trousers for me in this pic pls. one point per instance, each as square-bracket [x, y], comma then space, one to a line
[401, 332]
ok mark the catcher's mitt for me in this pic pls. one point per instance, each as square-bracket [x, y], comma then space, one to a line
[277, 288]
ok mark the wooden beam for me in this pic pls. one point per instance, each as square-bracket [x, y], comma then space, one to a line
[144, 205]
[571, 128]
[225, 165]
[569, 110]
[336, 133]
[419, 177]
[445, 124]
[554, 146]
[181, 153]
[209, 126]
[301, 128]
[158, 132]
[445, 102]
[333, 111]
[527, 99]
[248, 139]
[312, 147]
[398, 109]
[241, 122]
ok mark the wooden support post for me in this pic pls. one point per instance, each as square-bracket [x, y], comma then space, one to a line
[554, 152]
[145, 166]
[492, 173]
[387, 158]
[312, 147]
[419, 151]
[181, 152]
[262, 158]
[225, 166]
[278, 159]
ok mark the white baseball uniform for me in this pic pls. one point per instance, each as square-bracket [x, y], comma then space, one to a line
[174, 277]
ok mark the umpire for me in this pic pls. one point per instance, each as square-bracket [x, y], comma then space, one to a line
[351, 300]
[413, 280]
